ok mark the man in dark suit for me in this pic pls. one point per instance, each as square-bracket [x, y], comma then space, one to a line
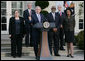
[36, 33]
[27, 14]
[61, 31]
[53, 34]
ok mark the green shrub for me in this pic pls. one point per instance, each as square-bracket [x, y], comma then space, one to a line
[42, 4]
[75, 40]
[80, 38]
[44, 12]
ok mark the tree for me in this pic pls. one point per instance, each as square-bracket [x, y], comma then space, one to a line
[43, 5]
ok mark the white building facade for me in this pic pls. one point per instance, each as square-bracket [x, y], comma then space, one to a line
[8, 7]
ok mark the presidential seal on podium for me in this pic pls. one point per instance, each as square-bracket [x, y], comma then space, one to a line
[46, 24]
[44, 51]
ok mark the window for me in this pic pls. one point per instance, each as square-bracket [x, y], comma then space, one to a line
[81, 24]
[3, 20]
[81, 15]
[3, 27]
[3, 11]
[3, 16]
[17, 5]
[3, 4]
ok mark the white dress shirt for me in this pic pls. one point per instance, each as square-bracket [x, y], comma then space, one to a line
[53, 15]
[39, 17]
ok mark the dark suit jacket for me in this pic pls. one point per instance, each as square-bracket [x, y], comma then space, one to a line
[35, 19]
[56, 21]
[62, 17]
[12, 26]
[36, 32]
[25, 15]
[69, 24]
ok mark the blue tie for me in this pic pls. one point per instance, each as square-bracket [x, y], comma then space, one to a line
[39, 18]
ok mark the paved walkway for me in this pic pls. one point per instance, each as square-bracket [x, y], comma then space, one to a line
[28, 54]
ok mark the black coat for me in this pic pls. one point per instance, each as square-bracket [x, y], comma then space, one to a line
[69, 24]
[36, 33]
[62, 17]
[12, 26]
[26, 15]
[35, 19]
[56, 21]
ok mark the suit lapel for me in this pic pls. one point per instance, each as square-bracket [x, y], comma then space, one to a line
[41, 17]
[55, 16]
[32, 11]
[36, 17]
[13, 20]
[58, 13]
[27, 12]
[20, 20]
[52, 16]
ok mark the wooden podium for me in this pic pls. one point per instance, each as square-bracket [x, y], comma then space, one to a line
[44, 51]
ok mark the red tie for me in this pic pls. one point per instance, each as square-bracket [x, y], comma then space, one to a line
[30, 13]
[60, 14]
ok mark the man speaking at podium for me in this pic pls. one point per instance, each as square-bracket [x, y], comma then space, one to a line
[37, 18]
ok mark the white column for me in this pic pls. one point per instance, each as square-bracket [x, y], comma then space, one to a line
[76, 16]
[8, 14]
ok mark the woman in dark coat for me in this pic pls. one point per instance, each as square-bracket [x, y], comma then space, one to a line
[69, 24]
[16, 33]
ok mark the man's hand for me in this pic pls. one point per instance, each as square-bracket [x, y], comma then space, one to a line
[31, 24]
[30, 18]
[55, 29]
[61, 26]
[9, 36]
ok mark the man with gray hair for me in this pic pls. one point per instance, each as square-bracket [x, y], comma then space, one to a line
[37, 18]
[61, 31]
[27, 16]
